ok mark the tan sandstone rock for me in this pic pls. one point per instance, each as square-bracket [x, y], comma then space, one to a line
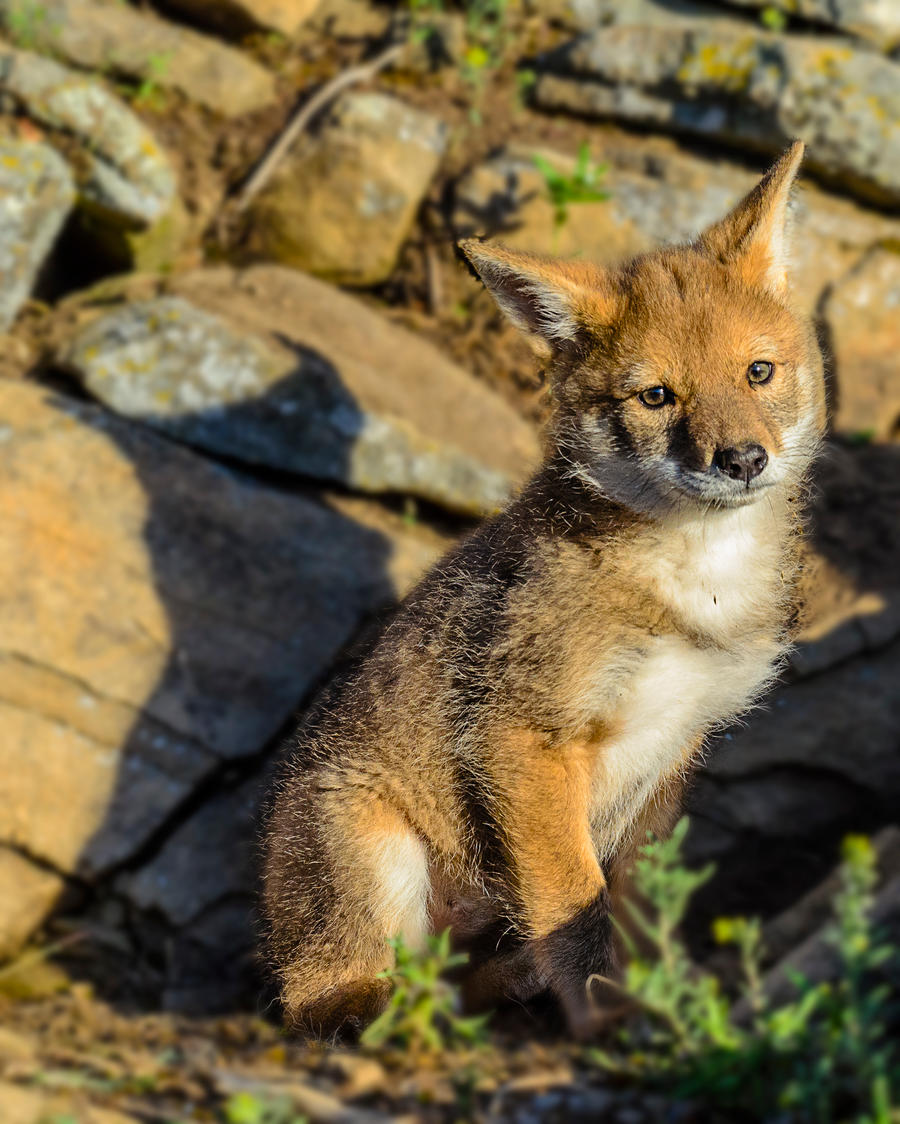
[863, 318]
[160, 613]
[342, 204]
[27, 892]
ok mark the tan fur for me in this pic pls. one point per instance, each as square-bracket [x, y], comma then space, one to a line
[493, 761]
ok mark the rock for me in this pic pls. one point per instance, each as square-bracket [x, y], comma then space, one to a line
[343, 202]
[506, 197]
[239, 17]
[817, 959]
[737, 84]
[808, 727]
[587, 15]
[203, 884]
[350, 19]
[27, 892]
[279, 369]
[210, 857]
[125, 181]
[36, 196]
[20, 1104]
[815, 909]
[662, 196]
[873, 20]
[116, 39]
[160, 614]
[862, 314]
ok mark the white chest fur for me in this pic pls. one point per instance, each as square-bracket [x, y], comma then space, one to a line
[721, 581]
[719, 572]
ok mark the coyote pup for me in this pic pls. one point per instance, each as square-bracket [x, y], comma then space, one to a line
[534, 706]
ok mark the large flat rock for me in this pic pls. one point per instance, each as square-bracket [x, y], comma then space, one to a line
[735, 83]
[280, 369]
[160, 614]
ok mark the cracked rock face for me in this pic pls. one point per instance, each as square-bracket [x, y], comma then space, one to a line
[161, 615]
[279, 369]
[734, 83]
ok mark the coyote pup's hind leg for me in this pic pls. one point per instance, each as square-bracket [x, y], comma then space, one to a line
[348, 874]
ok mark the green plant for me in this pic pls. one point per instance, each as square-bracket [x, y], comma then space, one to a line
[422, 1013]
[27, 21]
[773, 18]
[149, 91]
[251, 1108]
[822, 1056]
[485, 39]
[582, 185]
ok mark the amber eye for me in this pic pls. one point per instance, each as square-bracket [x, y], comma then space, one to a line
[655, 397]
[760, 371]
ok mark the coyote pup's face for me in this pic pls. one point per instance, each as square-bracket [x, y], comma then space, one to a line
[683, 377]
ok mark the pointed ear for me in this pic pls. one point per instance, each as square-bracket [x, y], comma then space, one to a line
[754, 236]
[553, 300]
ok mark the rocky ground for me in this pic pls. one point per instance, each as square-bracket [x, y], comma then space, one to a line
[238, 419]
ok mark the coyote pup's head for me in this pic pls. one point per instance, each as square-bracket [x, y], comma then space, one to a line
[684, 376]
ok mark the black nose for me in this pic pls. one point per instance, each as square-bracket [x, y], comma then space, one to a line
[741, 464]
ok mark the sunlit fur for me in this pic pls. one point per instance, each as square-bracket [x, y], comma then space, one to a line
[492, 760]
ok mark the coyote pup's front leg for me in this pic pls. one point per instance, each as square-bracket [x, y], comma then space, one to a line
[556, 878]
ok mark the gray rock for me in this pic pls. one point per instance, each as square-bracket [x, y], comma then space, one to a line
[36, 195]
[588, 15]
[738, 84]
[116, 39]
[343, 202]
[843, 722]
[278, 369]
[125, 180]
[877, 21]
[209, 858]
[160, 614]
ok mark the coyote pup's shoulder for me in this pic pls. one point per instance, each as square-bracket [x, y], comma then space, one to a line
[533, 706]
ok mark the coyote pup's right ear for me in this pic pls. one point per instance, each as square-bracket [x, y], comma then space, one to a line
[557, 301]
[754, 236]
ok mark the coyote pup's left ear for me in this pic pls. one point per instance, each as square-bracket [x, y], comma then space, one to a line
[753, 236]
[554, 300]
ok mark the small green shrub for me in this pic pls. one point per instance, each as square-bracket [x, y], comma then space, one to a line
[821, 1057]
[250, 1108]
[773, 19]
[27, 22]
[423, 1011]
[581, 186]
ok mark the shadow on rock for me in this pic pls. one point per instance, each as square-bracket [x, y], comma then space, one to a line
[173, 615]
